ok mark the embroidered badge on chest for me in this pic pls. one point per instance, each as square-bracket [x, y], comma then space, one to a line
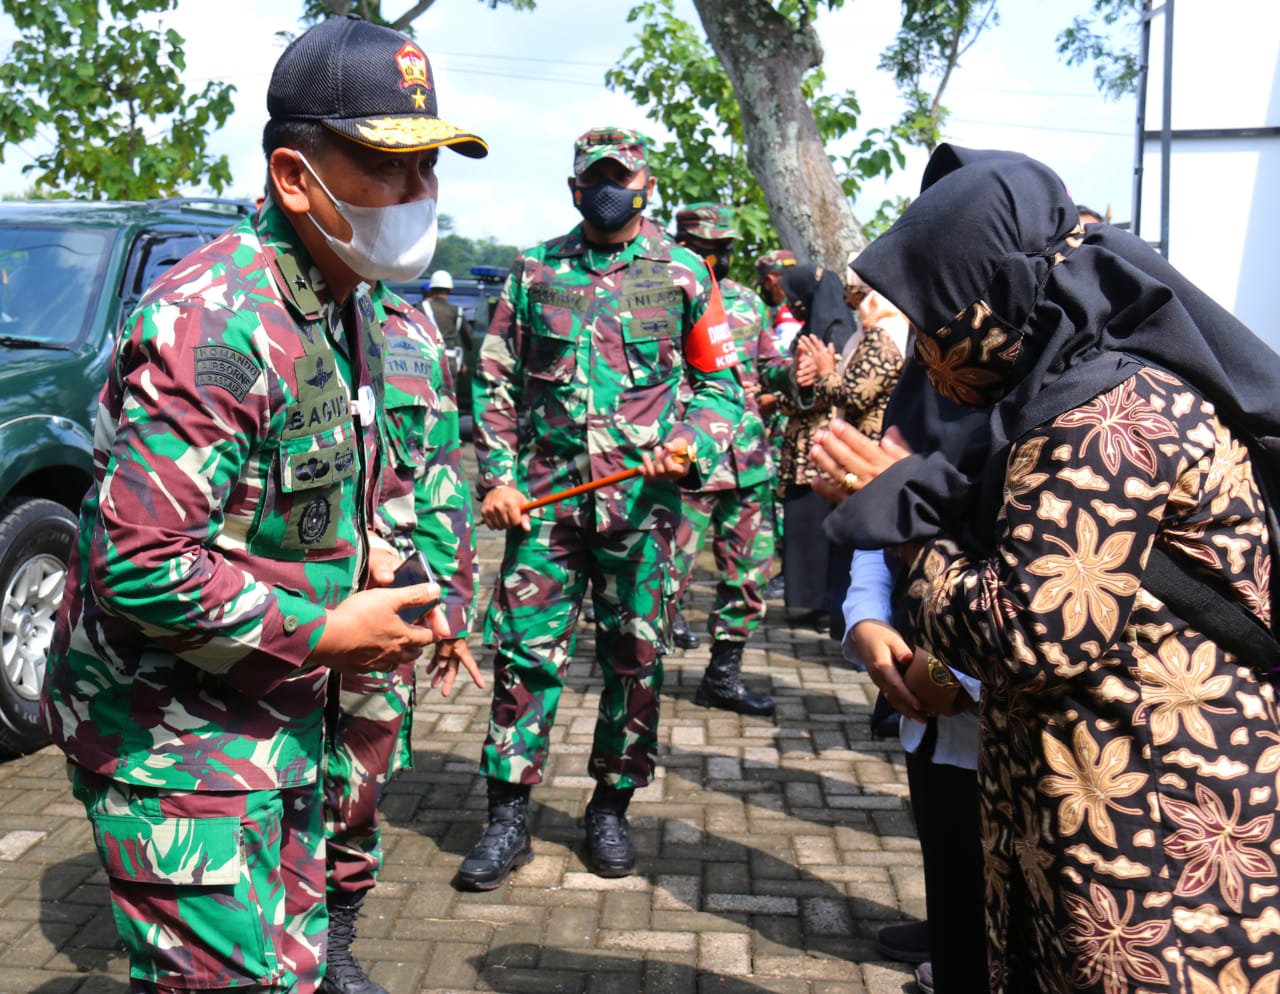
[314, 523]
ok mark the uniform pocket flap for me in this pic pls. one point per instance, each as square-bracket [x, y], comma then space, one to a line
[320, 460]
[200, 851]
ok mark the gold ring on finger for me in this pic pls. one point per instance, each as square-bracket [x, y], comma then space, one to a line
[849, 481]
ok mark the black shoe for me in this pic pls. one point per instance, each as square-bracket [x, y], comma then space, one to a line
[682, 636]
[504, 846]
[610, 852]
[722, 685]
[907, 942]
[343, 974]
[816, 619]
[775, 589]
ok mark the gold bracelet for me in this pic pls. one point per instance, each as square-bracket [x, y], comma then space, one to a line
[939, 673]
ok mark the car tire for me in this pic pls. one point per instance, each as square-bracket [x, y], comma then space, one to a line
[36, 537]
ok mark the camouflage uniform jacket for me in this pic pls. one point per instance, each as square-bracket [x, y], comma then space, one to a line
[235, 464]
[747, 462]
[424, 503]
[580, 369]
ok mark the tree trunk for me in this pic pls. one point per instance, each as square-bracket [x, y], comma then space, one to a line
[765, 56]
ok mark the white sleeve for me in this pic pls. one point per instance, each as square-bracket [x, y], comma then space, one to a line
[870, 586]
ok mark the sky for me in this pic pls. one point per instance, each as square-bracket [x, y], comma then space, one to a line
[530, 82]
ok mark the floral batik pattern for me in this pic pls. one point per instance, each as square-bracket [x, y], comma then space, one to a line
[859, 393]
[1131, 767]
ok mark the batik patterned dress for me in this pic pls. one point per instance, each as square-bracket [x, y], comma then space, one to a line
[1129, 769]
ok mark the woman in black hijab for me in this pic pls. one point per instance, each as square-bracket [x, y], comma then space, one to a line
[816, 297]
[1129, 770]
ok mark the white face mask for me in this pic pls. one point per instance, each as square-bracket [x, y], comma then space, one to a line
[387, 243]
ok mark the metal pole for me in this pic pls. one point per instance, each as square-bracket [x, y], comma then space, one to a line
[1166, 130]
[1139, 143]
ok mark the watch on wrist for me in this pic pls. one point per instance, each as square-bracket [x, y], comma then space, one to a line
[939, 674]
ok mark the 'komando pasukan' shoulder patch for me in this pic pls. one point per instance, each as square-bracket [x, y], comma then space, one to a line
[220, 366]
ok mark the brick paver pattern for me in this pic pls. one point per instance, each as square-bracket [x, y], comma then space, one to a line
[771, 850]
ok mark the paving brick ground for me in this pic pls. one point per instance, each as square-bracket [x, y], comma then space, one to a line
[771, 851]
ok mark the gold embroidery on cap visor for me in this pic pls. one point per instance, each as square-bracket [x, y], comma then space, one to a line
[411, 134]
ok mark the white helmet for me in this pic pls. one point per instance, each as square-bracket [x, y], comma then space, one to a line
[441, 280]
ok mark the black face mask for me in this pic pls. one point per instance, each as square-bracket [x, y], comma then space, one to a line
[607, 206]
[719, 265]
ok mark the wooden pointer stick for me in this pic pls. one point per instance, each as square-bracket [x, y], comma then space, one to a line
[682, 455]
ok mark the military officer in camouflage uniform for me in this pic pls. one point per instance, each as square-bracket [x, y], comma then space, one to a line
[423, 506]
[577, 379]
[216, 583]
[736, 500]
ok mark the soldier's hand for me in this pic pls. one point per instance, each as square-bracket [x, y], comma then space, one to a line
[382, 565]
[364, 634]
[669, 461]
[443, 668]
[501, 509]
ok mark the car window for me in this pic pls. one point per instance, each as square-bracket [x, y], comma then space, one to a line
[50, 279]
[156, 251]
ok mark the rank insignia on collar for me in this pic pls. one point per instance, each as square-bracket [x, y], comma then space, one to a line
[296, 284]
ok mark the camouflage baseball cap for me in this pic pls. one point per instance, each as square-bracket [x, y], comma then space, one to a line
[772, 262]
[631, 148]
[713, 222]
[368, 83]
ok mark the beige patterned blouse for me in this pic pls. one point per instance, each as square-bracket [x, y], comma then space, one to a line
[859, 394]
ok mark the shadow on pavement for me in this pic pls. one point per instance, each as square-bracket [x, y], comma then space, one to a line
[521, 967]
[77, 926]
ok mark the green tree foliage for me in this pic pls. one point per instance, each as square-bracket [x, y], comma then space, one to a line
[458, 254]
[935, 34]
[106, 91]
[673, 73]
[1094, 39]
[371, 10]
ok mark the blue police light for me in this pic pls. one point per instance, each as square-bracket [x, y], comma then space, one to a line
[488, 274]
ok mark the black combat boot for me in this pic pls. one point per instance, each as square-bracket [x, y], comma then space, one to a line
[342, 973]
[722, 685]
[610, 852]
[682, 636]
[504, 844]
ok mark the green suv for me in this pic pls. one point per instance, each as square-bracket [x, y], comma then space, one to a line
[70, 273]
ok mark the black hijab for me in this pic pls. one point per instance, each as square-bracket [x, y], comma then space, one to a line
[991, 253]
[821, 294]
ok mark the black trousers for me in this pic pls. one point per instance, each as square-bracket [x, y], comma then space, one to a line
[804, 549]
[945, 802]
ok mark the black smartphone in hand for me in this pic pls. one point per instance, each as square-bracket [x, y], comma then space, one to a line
[411, 572]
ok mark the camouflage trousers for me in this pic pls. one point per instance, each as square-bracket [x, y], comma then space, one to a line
[531, 620]
[741, 524]
[212, 890]
[370, 719]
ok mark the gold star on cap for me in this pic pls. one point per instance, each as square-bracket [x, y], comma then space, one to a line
[419, 100]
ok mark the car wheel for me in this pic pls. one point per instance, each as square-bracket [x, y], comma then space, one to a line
[35, 544]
